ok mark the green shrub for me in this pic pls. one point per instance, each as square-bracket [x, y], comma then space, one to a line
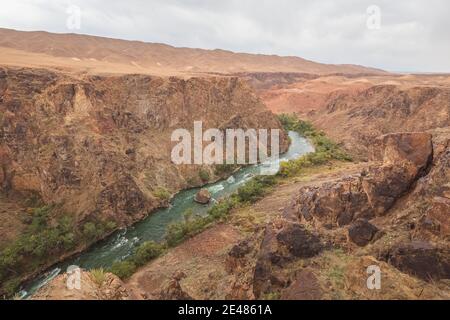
[162, 193]
[175, 233]
[224, 169]
[97, 230]
[11, 286]
[98, 275]
[90, 230]
[255, 188]
[204, 175]
[110, 225]
[222, 208]
[123, 269]
[146, 252]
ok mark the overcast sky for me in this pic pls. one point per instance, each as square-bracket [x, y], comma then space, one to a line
[412, 35]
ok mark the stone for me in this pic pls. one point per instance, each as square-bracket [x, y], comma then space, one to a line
[362, 232]
[203, 196]
[282, 244]
[304, 287]
[300, 242]
[394, 148]
[173, 290]
[439, 213]
[420, 259]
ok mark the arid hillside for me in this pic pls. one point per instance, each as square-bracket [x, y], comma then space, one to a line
[82, 53]
[356, 109]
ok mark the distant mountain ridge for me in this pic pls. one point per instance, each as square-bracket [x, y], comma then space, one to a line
[94, 54]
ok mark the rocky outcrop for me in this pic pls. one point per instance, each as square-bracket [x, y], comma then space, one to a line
[304, 287]
[404, 156]
[361, 232]
[105, 142]
[421, 259]
[438, 216]
[398, 161]
[283, 242]
[434, 191]
[173, 290]
[203, 196]
[88, 288]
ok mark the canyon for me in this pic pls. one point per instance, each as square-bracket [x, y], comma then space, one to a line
[86, 126]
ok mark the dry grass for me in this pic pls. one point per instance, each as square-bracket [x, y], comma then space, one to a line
[98, 276]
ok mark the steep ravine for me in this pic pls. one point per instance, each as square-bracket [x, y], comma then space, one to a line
[97, 148]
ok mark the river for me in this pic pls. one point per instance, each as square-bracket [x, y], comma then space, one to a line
[122, 243]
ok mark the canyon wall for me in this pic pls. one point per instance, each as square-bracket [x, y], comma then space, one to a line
[99, 146]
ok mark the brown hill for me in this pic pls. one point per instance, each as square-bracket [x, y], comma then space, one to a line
[92, 54]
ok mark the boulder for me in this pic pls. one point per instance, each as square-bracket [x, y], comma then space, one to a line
[299, 242]
[235, 259]
[304, 287]
[439, 214]
[203, 196]
[420, 259]
[394, 148]
[173, 290]
[283, 242]
[361, 232]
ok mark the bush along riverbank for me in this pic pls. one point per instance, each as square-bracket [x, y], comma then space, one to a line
[191, 225]
[326, 151]
[44, 238]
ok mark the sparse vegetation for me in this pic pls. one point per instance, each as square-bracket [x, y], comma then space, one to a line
[224, 169]
[272, 296]
[123, 269]
[255, 188]
[162, 193]
[48, 234]
[98, 275]
[146, 252]
[326, 150]
[204, 175]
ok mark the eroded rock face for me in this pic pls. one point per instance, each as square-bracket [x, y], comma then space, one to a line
[421, 259]
[174, 291]
[283, 242]
[203, 196]
[235, 259]
[304, 287]
[439, 214]
[100, 146]
[357, 117]
[361, 232]
[112, 288]
[372, 193]
[434, 189]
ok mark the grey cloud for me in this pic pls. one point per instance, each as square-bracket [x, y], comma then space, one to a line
[414, 35]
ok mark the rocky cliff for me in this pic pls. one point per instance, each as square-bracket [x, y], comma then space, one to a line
[98, 148]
